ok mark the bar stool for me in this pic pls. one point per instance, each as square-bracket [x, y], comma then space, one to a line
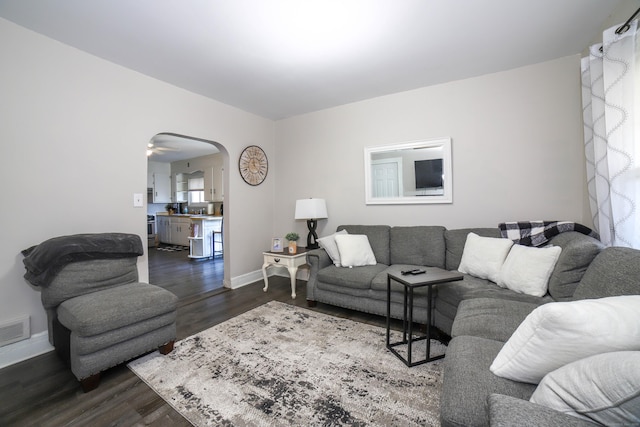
[218, 240]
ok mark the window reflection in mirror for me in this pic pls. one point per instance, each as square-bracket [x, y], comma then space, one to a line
[414, 172]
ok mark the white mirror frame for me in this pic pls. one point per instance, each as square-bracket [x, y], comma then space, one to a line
[445, 194]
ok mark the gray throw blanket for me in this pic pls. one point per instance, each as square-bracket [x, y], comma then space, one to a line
[538, 233]
[44, 261]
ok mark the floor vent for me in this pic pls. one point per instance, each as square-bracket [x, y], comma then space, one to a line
[14, 330]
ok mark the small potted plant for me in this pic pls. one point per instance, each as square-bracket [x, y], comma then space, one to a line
[292, 238]
[169, 207]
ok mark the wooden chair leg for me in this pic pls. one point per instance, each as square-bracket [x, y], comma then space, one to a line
[90, 383]
[166, 348]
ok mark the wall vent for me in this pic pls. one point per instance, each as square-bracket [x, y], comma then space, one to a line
[15, 330]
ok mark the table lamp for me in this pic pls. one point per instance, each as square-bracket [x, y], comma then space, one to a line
[312, 210]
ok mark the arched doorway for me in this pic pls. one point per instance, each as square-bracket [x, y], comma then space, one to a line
[190, 175]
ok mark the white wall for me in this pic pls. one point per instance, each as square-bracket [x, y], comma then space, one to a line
[516, 142]
[73, 135]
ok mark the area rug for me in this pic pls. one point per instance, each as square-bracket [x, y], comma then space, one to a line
[280, 365]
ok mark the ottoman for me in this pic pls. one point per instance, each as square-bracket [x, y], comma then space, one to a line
[111, 326]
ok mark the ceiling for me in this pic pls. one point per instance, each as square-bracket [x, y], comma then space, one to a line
[167, 148]
[281, 58]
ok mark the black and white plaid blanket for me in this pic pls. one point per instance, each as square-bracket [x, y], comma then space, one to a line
[537, 233]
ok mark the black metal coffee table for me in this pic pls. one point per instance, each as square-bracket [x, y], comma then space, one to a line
[432, 276]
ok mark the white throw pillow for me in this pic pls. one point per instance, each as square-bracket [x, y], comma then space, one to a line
[604, 388]
[558, 333]
[355, 250]
[329, 245]
[483, 256]
[527, 269]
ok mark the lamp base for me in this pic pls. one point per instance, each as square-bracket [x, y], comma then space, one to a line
[312, 237]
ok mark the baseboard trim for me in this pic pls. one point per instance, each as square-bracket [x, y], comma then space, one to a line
[255, 276]
[246, 279]
[26, 349]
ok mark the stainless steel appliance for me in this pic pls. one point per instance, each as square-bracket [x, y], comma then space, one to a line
[151, 230]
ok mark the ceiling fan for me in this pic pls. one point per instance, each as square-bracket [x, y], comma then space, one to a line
[167, 148]
[155, 149]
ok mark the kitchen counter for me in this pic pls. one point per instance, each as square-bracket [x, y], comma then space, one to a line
[176, 229]
[196, 216]
[206, 236]
[205, 217]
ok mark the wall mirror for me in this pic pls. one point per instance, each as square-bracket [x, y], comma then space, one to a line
[413, 172]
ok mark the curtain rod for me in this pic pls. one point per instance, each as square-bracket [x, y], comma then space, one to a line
[625, 27]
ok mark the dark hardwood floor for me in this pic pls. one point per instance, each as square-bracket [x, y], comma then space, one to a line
[42, 391]
[185, 277]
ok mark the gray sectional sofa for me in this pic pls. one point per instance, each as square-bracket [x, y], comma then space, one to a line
[479, 315]
[401, 248]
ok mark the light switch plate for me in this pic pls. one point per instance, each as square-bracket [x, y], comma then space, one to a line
[138, 200]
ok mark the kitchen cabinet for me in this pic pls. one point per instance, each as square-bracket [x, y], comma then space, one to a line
[180, 230]
[163, 229]
[182, 190]
[161, 188]
[209, 191]
[173, 229]
[213, 184]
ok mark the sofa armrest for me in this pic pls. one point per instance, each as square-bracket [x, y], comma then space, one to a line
[507, 411]
[317, 260]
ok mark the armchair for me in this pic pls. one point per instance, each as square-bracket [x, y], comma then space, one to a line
[98, 314]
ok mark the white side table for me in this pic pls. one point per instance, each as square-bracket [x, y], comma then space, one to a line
[291, 261]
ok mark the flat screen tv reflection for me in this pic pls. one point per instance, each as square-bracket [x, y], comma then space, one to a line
[428, 174]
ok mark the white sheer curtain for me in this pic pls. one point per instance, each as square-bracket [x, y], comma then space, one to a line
[611, 113]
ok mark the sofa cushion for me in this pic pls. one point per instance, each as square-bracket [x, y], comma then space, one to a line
[357, 277]
[527, 269]
[355, 250]
[558, 333]
[468, 383]
[471, 287]
[507, 411]
[577, 253]
[614, 271]
[604, 388]
[483, 257]
[345, 291]
[421, 245]
[455, 240]
[450, 295]
[91, 344]
[114, 308]
[378, 236]
[490, 318]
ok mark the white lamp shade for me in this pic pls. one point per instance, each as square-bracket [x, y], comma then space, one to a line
[311, 209]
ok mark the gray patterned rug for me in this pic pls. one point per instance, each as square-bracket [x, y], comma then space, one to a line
[280, 365]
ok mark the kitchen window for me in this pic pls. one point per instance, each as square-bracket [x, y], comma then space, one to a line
[196, 190]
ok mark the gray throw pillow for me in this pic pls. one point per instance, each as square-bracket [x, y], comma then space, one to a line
[604, 388]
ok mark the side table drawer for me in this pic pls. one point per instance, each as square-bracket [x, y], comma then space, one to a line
[275, 259]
